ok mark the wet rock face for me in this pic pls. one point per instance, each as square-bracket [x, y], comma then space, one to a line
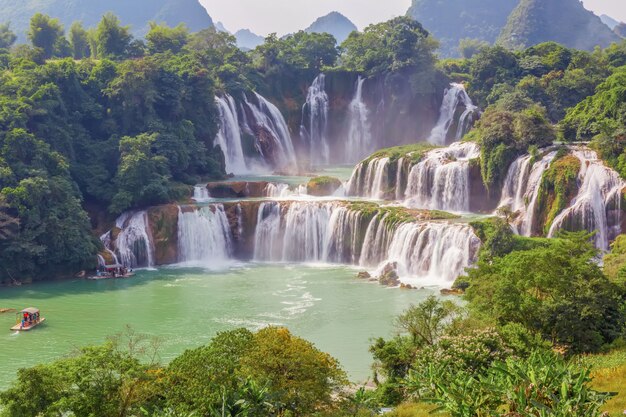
[267, 143]
[481, 201]
[241, 189]
[242, 218]
[389, 275]
[164, 227]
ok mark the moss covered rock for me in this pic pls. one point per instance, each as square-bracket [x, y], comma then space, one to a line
[558, 187]
[323, 186]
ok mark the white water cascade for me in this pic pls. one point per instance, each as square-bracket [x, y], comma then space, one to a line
[201, 194]
[268, 117]
[281, 190]
[370, 179]
[598, 203]
[453, 96]
[307, 232]
[332, 233]
[314, 126]
[440, 181]
[204, 236]
[432, 253]
[133, 245]
[229, 136]
[359, 141]
[521, 189]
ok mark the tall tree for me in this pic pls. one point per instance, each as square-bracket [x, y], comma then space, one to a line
[45, 33]
[7, 37]
[111, 38]
[162, 38]
[79, 41]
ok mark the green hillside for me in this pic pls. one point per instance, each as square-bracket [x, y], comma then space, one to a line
[536, 21]
[136, 13]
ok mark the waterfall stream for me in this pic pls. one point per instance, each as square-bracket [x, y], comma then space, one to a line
[454, 96]
[359, 141]
[229, 136]
[597, 206]
[204, 236]
[521, 189]
[440, 181]
[314, 126]
[133, 245]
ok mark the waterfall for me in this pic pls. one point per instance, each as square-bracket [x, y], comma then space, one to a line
[307, 232]
[280, 190]
[229, 136]
[333, 233]
[201, 194]
[266, 117]
[436, 251]
[370, 179]
[314, 126]
[133, 244]
[359, 141]
[453, 96]
[267, 244]
[521, 189]
[440, 181]
[600, 191]
[204, 235]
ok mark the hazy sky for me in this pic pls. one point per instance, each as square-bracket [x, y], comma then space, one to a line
[286, 16]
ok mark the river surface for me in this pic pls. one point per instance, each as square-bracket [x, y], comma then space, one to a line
[186, 307]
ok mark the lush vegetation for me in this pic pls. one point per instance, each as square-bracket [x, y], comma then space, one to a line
[323, 186]
[414, 152]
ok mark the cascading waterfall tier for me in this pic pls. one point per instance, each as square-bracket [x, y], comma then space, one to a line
[437, 252]
[201, 194]
[454, 96]
[597, 206]
[281, 190]
[441, 180]
[132, 247]
[521, 190]
[314, 126]
[229, 136]
[204, 235]
[333, 233]
[359, 142]
[370, 179]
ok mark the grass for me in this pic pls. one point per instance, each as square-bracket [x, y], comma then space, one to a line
[398, 215]
[609, 375]
[416, 151]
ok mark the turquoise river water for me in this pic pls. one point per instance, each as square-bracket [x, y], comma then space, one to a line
[186, 307]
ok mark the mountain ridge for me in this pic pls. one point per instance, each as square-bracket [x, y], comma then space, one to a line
[334, 23]
[137, 13]
[536, 21]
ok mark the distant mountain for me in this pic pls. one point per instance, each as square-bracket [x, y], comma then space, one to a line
[136, 13]
[334, 23]
[452, 20]
[247, 39]
[219, 26]
[620, 30]
[609, 21]
[563, 21]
